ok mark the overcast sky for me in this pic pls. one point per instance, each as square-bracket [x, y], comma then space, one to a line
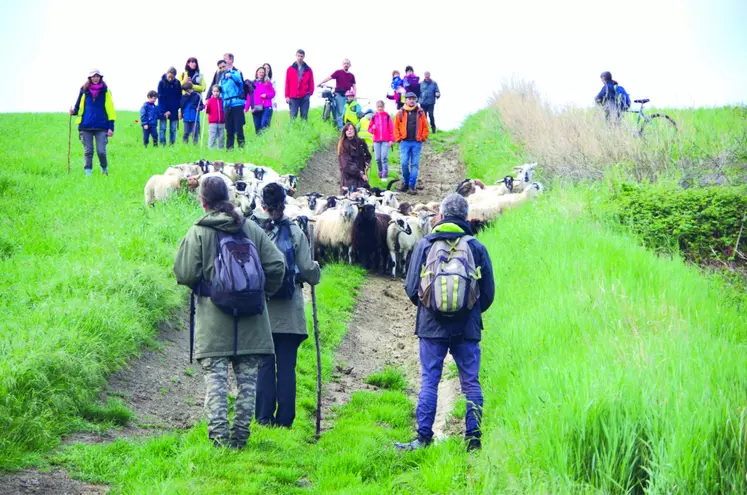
[676, 52]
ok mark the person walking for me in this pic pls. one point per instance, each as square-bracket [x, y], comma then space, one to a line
[446, 322]
[276, 384]
[344, 82]
[262, 97]
[353, 158]
[220, 340]
[234, 99]
[96, 116]
[429, 93]
[410, 131]
[299, 86]
[169, 99]
[381, 127]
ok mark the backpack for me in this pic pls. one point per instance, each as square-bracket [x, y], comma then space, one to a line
[284, 242]
[448, 279]
[622, 98]
[238, 285]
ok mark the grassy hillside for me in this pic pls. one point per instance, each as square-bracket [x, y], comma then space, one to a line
[85, 269]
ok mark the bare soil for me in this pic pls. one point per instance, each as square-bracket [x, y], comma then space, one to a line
[321, 174]
[44, 483]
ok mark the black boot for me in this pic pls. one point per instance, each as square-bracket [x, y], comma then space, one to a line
[403, 188]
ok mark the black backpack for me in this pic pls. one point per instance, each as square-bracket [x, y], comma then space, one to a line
[284, 242]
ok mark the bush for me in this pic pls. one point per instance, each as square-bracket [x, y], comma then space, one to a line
[703, 224]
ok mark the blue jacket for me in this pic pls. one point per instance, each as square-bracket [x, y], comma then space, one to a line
[190, 105]
[149, 114]
[428, 324]
[95, 114]
[428, 90]
[232, 89]
[607, 93]
[169, 97]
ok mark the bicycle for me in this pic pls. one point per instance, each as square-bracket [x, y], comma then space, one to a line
[659, 125]
[330, 106]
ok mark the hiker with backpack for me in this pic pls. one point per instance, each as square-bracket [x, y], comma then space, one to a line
[234, 96]
[231, 266]
[612, 97]
[450, 280]
[276, 384]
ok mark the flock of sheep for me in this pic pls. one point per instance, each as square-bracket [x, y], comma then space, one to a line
[370, 226]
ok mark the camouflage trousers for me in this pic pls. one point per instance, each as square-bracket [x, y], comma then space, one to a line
[215, 370]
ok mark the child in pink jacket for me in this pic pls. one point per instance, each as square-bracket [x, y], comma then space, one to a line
[216, 119]
[381, 128]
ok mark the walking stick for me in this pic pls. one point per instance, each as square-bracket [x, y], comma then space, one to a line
[316, 341]
[69, 134]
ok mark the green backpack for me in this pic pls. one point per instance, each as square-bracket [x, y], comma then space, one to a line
[449, 278]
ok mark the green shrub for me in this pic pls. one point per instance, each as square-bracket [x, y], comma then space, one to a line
[703, 224]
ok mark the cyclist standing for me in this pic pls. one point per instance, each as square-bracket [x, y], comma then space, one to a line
[344, 82]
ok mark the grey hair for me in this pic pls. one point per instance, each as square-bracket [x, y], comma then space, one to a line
[454, 206]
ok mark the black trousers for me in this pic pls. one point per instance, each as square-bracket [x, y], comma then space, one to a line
[276, 382]
[428, 109]
[235, 126]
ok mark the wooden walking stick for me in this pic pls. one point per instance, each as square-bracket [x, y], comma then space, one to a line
[69, 134]
[318, 348]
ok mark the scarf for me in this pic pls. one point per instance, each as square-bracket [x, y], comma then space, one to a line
[95, 89]
[409, 108]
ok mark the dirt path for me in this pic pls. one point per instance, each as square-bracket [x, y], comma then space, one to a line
[381, 331]
[321, 173]
[53, 482]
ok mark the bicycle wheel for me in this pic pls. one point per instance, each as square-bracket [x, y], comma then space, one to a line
[660, 128]
[326, 112]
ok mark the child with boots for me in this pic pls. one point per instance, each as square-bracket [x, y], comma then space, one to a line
[149, 119]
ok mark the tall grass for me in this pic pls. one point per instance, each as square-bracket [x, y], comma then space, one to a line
[577, 143]
[85, 269]
[606, 369]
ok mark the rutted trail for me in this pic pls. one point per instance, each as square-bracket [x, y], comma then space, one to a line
[381, 331]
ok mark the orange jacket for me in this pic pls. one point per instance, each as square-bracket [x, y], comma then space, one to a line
[400, 126]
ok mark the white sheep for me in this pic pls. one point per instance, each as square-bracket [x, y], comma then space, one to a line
[160, 187]
[236, 172]
[403, 234]
[486, 208]
[524, 175]
[334, 228]
[184, 170]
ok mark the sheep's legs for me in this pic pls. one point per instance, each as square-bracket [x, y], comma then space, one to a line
[350, 255]
[393, 255]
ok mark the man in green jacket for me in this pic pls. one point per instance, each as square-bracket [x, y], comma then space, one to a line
[276, 384]
[214, 329]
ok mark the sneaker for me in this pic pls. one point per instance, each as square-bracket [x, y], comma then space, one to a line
[418, 443]
[88, 171]
[104, 171]
[403, 188]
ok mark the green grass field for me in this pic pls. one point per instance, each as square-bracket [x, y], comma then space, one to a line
[606, 368]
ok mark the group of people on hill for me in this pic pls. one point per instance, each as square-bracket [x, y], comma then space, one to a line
[261, 344]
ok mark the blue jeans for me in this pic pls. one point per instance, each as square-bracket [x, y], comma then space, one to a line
[151, 131]
[162, 130]
[276, 382]
[193, 129]
[381, 149]
[409, 157]
[466, 354]
[340, 99]
[301, 104]
[262, 119]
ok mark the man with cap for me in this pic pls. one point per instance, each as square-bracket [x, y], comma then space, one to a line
[410, 131]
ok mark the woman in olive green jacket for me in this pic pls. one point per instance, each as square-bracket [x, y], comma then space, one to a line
[276, 383]
[214, 329]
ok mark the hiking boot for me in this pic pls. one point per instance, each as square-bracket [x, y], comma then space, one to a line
[403, 188]
[418, 443]
[473, 443]
[104, 171]
[412, 192]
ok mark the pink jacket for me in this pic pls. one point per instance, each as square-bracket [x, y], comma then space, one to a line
[263, 88]
[382, 127]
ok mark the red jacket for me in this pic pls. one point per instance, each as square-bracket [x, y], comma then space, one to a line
[214, 111]
[296, 89]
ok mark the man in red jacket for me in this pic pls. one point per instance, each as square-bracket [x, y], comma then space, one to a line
[299, 85]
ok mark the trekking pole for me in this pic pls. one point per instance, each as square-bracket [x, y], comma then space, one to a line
[69, 134]
[316, 341]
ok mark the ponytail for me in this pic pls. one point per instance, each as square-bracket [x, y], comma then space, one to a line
[215, 194]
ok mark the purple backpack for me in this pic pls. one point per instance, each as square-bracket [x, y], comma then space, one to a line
[238, 285]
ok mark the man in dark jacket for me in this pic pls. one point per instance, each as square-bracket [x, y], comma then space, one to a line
[299, 86]
[429, 93]
[169, 98]
[458, 335]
